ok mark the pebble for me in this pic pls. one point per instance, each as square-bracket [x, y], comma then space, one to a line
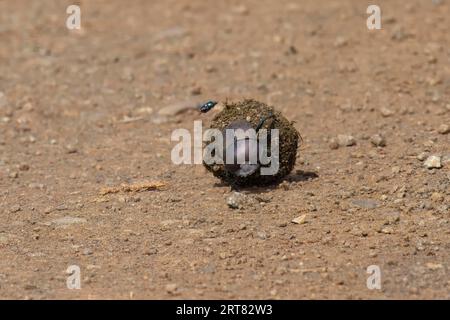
[35, 185]
[444, 129]
[171, 288]
[434, 266]
[333, 144]
[15, 208]
[437, 197]
[395, 169]
[378, 140]
[422, 156]
[433, 162]
[87, 252]
[299, 220]
[261, 235]
[387, 230]
[237, 200]
[386, 112]
[178, 107]
[345, 140]
[71, 149]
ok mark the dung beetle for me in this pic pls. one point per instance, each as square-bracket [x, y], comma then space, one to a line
[242, 148]
[207, 106]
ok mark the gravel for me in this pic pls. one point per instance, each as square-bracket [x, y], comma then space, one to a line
[444, 129]
[345, 140]
[378, 140]
[237, 200]
[433, 162]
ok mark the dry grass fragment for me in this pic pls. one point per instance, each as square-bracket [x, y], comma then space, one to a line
[134, 187]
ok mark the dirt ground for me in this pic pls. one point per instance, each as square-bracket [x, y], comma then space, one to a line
[85, 110]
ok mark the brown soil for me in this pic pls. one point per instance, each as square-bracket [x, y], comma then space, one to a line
[79, 112]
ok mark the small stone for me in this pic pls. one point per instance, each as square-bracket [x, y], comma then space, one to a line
[14, 175]
[87, 252]
[299, 220]
[395, 169]
[387, 230]
[444, 129]
[237, 200]
[433, 162]
[242, 10]
[151, 251]
[386, 112]
[422, 156]
[261, 235]
[71, 149]
[378, 140]
[437, 197]
[340, 42]
[333, 144]
[171, 288]
[15, 208]
[434, 266]
[346, 140]
[35, 185]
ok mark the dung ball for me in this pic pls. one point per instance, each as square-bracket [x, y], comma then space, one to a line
[256, 115]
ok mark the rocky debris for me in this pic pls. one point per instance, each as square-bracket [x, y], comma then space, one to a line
[422, 156]
[434, 266]
[237, 200]
[437, 197]
[333, 144]
[300, 219]
[433, 162]
[444, 129]
[387, 230]
[178, 107]
[261, 235]
[340, 42]
[36, 185]
[386, 112]
[342, 140]
[88, 251]
[71, 149]
[378, 140]
[241, 10]
[171, 288]
[15, 208]
[366, 203]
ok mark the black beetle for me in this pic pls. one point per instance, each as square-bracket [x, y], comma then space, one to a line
[207, 106]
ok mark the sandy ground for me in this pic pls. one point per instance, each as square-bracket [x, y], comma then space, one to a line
[81, 111]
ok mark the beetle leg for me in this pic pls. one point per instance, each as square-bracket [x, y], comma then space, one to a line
[261, 122]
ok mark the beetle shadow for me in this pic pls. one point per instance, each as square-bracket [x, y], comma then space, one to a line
[299, 176]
